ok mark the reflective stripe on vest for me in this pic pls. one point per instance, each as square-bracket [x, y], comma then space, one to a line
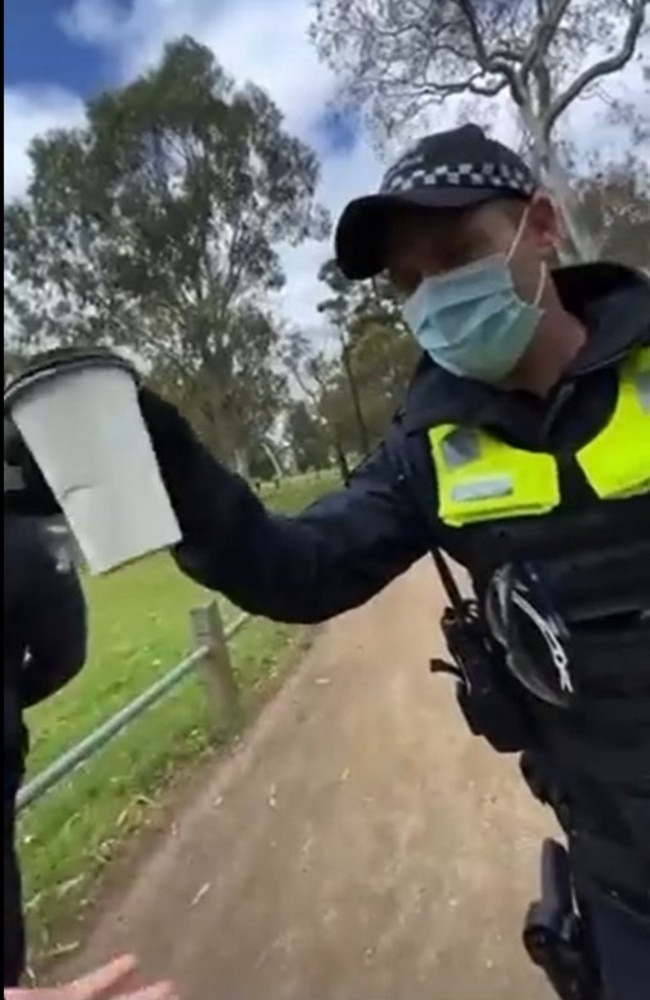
[481, 478]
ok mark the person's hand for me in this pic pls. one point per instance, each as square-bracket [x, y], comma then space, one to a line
[110, 982]
[172, 437]
[170, 433]
[196, 482]
[174, 443]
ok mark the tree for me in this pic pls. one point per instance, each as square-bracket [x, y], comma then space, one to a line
[262, 464]
[357, 390]
[339, 309]
[384, 359]
[234, 418]
[308, 438]
[350, 306]
[615, 203]
[385, 356]
[154, 228]
[402, 57]
[319, 378]
[378, 353]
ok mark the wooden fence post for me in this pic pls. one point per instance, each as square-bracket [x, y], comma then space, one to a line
[207, 630]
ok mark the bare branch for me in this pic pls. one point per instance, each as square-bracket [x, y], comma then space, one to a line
[543, 35]
[440, 91]
[513, 55]
[490, 63]
[602, 68]
[488, 89]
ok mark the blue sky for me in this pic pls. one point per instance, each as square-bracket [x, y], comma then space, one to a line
[42, 51]
[39, 52]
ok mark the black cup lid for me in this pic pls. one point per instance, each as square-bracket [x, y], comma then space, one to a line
[48, 362]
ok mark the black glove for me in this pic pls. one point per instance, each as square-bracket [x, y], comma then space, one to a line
[174, 441]
[26, 491]
[203, 493]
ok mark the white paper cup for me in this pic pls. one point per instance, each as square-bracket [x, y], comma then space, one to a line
[79, 416]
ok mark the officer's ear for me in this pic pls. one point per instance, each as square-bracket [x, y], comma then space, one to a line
[543, 223]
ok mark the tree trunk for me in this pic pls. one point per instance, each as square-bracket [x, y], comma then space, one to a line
[273, 458]
[240, 458]
[549, 169]
[342, 462]
[364, 440]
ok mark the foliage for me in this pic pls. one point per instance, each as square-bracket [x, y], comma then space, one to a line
[308, 437]
[350, 394]
[154, 229]
[384, 356]
[377, 355]
[615, 203]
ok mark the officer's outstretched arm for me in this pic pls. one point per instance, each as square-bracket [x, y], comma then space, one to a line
[335, 555]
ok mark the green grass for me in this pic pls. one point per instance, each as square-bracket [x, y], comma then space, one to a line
[139, 628]
[299, 491]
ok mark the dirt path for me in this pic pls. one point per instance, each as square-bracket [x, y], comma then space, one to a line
[359, 845]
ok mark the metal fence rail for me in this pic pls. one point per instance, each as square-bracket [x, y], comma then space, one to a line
[210, 652]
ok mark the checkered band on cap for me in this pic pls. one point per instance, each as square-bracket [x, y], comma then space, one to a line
[412, 172]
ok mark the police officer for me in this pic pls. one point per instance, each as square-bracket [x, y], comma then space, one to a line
[523, 451]
[44, 647]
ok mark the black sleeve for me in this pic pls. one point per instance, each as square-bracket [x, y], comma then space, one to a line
[334, 556]
[54, 622]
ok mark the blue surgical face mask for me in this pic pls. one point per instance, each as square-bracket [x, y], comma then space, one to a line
[471, 320]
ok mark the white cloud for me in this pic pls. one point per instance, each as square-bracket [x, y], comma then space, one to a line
[254, 39]
[30, 112]
[265, 41]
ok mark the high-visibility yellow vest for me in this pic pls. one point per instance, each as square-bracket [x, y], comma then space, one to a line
[480, 478]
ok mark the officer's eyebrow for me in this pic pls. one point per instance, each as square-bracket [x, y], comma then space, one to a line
[446, 233]
[456, 231]
[460, 238]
